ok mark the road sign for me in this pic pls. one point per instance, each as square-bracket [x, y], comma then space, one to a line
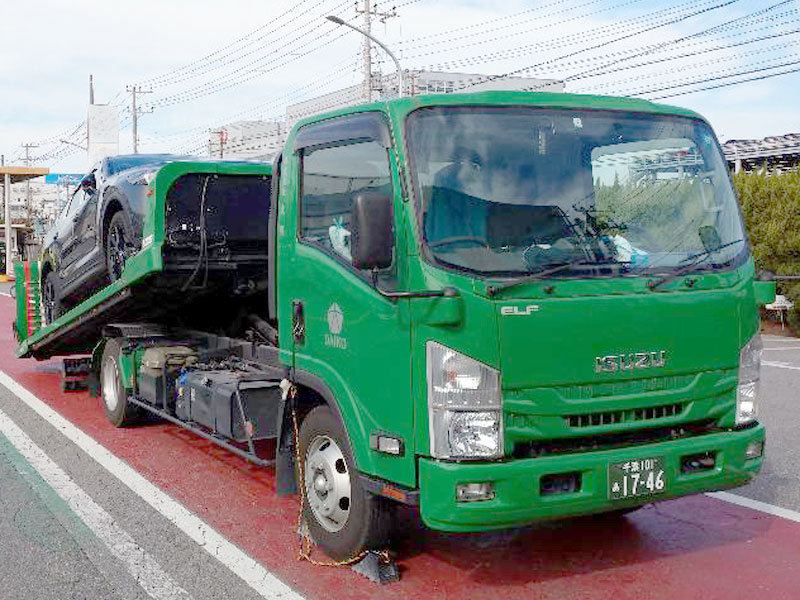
[63, 178]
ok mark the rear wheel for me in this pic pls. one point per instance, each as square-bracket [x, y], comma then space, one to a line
[115, 398]
[119, 245]
[51, 301]
[343, 518]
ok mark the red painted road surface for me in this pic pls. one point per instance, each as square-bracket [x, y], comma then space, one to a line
[696, 547]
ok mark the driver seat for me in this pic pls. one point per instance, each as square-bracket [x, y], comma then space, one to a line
[451, 211]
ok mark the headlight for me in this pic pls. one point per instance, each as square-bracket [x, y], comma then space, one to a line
[749, 374]
[143, 178]
[465, 409]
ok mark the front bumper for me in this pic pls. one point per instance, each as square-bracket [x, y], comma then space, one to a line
[518, 501]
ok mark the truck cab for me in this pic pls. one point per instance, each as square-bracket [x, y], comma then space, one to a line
[520, 305]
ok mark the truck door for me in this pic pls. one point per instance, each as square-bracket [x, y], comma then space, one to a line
[356, 340]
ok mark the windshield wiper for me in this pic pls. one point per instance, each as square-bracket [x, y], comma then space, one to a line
[696, 260]
[493, 290]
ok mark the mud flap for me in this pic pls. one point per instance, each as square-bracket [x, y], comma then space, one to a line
[285, 476]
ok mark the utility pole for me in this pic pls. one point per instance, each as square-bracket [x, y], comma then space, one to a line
[368, 11]
[135, 112]
[7, 211]
[412, 83]
[27, 180]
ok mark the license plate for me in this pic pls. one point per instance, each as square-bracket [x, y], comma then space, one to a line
[635, 478]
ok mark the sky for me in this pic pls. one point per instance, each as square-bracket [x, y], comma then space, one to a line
[206, 63]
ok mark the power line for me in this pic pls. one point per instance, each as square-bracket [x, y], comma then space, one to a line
[715, 78]
[225, 60]
[676, 41]
[220, 85]
[684, 67]
[212, 55]
[722, 85]
[551, 44]
[550, 26]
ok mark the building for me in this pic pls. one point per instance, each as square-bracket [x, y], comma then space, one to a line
[247, 140]
[13, 246]
[774, 153]
[259, 140]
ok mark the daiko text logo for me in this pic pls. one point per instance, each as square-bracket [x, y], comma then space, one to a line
[335, 326]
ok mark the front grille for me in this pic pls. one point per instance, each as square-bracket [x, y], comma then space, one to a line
[614, 417]
[609, 441]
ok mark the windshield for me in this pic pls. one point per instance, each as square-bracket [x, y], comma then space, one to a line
[516, 191]
[118, 164]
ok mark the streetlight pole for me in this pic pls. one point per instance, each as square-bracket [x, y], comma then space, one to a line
[401, 83]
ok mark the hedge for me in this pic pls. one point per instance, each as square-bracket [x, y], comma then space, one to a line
[771, 207]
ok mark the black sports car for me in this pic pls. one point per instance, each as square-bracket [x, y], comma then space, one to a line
[97, 230]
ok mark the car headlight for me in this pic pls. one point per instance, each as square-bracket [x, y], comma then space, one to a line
[143, 178]
[749, 375]
[465, 409]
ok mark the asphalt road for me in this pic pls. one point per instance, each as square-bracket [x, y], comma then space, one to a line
[779, 480]
[48, 551]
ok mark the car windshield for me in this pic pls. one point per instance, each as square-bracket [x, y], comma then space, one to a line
[516, 191]
[118, 164]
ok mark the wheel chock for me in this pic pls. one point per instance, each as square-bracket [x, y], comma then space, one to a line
[378, 567]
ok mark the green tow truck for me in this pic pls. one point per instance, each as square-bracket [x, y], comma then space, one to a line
[499, 307]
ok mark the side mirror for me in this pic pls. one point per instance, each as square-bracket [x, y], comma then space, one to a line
[764, 287]
[89, 183]
[372, 233]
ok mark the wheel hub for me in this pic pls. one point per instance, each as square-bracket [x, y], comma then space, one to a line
[109, 384]
[327, 483]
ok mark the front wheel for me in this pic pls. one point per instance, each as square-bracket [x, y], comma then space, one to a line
[119, 245]
[119, 411]
[343, 518]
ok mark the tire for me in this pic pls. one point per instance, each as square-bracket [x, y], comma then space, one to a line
[118, 245]
[343, 518]
[113, 395]
[52, 307]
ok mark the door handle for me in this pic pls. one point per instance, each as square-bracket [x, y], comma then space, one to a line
[298, 322]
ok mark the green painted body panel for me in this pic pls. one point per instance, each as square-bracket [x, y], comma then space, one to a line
[517, 483]
[149, 261]
[765, 292]
[27, 292]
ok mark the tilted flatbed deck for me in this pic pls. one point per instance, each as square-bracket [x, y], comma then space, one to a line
[158, 283]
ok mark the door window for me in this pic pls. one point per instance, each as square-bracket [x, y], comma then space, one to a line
[331, 177]
[76, 202]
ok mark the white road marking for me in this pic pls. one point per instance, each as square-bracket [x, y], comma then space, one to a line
[770, 509]
[779, 338]
[784, 348]
[779, 365]
[143, 567]
[5, 294]
[213, 542]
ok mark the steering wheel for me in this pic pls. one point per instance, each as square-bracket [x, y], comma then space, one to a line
[458, 239]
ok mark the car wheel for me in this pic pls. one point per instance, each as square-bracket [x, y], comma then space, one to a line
[343, 518]
[52, 307]
[119, 245]
[119, 411]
